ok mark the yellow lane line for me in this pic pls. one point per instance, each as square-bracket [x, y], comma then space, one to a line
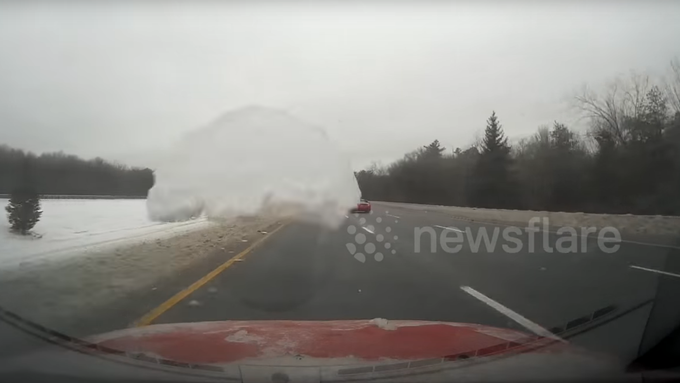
[165, 306]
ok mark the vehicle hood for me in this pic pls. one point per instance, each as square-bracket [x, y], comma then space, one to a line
[350, 341]
[313, 351]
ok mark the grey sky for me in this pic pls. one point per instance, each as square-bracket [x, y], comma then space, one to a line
[121, 79]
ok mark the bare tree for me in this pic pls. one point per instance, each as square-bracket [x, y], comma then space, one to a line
[609, 110]
[521, 147]
[673, 86]
[589, 143]
[477, 140]
[636, 89]
[377, 168]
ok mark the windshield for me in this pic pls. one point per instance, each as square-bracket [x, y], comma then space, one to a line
[367, 169]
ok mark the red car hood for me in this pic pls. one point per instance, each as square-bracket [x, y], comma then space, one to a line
[340, 341]
[316, 351]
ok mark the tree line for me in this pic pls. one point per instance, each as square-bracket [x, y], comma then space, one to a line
[59, 173]
[628, 160]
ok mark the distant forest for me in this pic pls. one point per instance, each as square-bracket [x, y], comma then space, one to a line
[59, 173]
[628, 161]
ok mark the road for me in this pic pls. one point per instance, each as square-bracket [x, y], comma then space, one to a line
[304, 271]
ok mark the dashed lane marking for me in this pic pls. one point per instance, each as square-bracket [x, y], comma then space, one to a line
[450, 228]
[655, 271]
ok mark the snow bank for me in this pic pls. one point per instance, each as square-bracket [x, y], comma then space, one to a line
[70, 227]
[253, 160]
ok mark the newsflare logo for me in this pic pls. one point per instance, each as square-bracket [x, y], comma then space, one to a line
[375, 239]
[515, 239]
[368, 240]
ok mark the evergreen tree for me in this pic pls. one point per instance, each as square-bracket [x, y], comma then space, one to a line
[433, 150]
[493, 184]
[565, 160]
[23, 210]
[494, 141]
[563, 139]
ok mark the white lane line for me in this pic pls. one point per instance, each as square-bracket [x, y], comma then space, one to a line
[391, 215]
[655, 271]
[368, 230]
[450, 228]
[529, 325]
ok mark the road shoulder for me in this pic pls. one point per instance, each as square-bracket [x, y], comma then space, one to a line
[103, 290]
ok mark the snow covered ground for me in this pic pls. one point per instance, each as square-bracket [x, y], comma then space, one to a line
[71, 227]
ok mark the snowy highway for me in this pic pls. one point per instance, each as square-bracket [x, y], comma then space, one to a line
[385, 265]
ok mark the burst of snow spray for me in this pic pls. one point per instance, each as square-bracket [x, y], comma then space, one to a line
[253, 161]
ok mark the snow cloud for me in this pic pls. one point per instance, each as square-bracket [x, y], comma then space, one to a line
[252, 160]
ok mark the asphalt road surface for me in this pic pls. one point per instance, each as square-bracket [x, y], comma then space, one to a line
[619, 302]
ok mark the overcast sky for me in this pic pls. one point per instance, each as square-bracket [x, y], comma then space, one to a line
[126, 78]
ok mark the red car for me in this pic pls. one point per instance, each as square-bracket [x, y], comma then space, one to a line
[362, 207]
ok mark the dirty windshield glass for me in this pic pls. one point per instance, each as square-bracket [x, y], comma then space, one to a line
[334, 191]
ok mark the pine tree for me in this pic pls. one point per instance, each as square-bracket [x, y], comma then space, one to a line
[433, 150]
[564, 180]
[493, 184]
[494, 141]
[563, 139]
[23, 210]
